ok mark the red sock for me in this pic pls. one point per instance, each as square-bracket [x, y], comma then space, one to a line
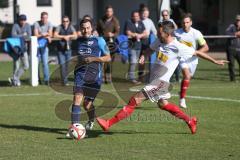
[124, 113]
[184, 87]
[176, 111]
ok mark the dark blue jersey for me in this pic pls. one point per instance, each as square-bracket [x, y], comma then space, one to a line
[91, 47]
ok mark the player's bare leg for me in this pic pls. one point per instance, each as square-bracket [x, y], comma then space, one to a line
[127, 110]
[184, 86]
[177, 112]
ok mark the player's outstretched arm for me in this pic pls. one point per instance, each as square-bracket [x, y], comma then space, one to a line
[209, 58]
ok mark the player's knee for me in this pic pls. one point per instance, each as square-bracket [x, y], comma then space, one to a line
[77, 99]
[162, 103]
[87, 105]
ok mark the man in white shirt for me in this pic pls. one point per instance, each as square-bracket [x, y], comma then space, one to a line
[194, 39]
[170, 53]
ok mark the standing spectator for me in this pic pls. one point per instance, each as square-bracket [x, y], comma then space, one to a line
[136, 32]
[20, 29]
[44, 29]
[166, 17]
[151, 29]
[108, 27]
[66, 32]
[192, 38]
[233, 47]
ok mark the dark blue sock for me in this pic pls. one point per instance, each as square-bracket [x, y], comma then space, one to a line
[75, 115]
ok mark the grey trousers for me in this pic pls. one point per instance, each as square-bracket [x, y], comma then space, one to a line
[19, 66]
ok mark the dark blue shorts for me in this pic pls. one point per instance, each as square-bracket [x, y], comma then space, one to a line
[89, 90]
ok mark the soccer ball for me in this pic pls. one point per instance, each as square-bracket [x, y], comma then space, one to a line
[77, 131]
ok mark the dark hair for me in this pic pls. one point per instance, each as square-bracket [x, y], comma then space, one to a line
[133, 12]
[85, 21]
[143, 7]
[167, 26]
[44, 13]
[87, 16]
[108, 6]
[65, 16]
[187, 15]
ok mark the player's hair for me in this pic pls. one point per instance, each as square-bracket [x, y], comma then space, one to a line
[87, 17]
[187, 15]
[85, 21]
[167, 26]
[44, 13]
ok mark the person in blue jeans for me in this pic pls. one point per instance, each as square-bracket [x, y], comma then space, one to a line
[92, 52]
[137, 33]
[44, 29]
[66, 32]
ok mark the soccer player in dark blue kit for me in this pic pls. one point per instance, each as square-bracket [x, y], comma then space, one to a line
[92, 52]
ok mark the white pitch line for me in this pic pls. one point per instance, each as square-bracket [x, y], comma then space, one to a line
[210, 98]
[174, 95]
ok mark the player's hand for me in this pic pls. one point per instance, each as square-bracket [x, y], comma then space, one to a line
[221, 62]
[142, 59]
[89, 59]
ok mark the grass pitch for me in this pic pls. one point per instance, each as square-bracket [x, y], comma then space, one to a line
[30, 128]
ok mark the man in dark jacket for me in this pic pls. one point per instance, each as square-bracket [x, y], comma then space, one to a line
[233, 47]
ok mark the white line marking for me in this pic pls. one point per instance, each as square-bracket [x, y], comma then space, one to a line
[174, 95]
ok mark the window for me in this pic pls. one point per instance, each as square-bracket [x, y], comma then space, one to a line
[44, 2]
[4, 4]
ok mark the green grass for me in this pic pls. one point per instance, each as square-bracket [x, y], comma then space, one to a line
[30, 129]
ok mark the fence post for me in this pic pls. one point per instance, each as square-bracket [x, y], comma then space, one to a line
[33, 61]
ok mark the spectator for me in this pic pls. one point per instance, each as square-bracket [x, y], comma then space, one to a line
[151, 29]
[136, 32]
[94, 32]
[20, 29]
[44, 29]
[108, 27]
[166, 17]
[233, 47]
[66, 32]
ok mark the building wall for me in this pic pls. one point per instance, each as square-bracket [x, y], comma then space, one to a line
[123, 9]
[81, 8]
[33, 11]
[6, 14]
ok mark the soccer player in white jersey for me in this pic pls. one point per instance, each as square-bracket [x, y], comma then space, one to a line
[170, 52]
[194, 39]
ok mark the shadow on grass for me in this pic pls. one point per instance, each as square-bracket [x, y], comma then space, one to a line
[90, 134]
[34, 128]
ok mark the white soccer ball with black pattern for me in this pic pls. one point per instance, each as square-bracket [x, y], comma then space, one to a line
[77, 131]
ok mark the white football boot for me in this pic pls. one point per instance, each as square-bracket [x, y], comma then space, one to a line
[182, 103]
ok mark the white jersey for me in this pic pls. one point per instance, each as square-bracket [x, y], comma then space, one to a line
[193, 38]
[169, 56]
